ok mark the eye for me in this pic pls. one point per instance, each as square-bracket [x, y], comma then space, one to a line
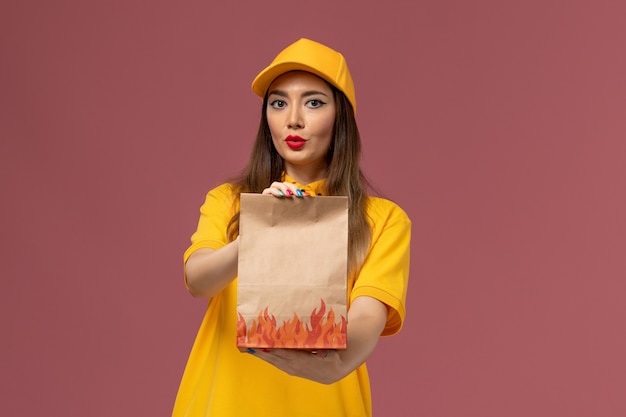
[315, 103]
[278, 104]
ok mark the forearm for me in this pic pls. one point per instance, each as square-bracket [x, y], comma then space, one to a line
[208, 271]
[366, 321]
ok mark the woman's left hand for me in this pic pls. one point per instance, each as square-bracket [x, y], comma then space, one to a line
[366, 321]
[318, 366]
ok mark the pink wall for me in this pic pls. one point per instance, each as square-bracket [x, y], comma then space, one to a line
[499, 126]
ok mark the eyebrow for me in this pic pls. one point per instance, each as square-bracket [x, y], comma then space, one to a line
[282, 93]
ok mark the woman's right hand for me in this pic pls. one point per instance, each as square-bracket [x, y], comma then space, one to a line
[284, 189]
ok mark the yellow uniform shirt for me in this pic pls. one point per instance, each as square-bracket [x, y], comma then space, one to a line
[221, 381]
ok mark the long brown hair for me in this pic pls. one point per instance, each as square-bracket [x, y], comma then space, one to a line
[344, 176]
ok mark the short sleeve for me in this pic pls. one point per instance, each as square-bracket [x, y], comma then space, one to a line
[385, 271]
[215, 214]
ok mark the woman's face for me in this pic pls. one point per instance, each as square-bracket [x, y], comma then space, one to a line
[301, 116]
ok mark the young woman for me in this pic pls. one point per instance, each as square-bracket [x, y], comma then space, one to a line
[307, 144]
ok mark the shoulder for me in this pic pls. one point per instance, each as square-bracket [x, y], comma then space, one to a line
[382, 210]
[222, 196]
[224, 190]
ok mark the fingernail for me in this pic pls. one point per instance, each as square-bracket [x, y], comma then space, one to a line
[299, 193]
[250, 350]
[266, 350]
[289, 192]
[280, 192]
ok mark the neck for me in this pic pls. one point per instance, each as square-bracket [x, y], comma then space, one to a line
[305, 175]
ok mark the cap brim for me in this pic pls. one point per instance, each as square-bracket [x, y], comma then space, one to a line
[265, 78]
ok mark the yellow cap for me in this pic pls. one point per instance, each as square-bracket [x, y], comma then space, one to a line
[313, 57]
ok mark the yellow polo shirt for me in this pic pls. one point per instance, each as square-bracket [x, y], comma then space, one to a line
[221, 381]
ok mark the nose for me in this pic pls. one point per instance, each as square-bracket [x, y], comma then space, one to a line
[295, 120]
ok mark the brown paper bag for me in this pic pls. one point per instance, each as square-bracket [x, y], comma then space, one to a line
[292, 279]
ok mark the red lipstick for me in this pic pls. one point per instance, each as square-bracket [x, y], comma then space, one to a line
[295, 142]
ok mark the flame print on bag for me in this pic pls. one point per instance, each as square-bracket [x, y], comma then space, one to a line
[320, 332]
